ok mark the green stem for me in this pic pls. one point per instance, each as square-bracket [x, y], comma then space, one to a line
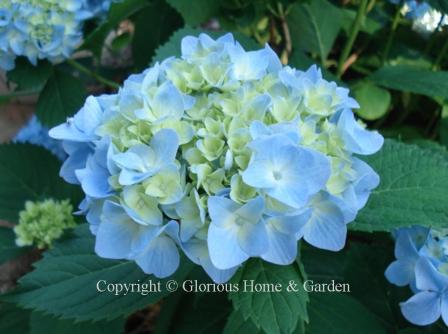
[92, 74]
[433, 37]
[20, 93]
[441, 55]
[352, 37]
[286, 32]
[391, 35]
[6, 98]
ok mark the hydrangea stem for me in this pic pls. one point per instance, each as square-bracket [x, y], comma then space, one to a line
[286, 33]
[6, 98]
[433, 37]
[352, 37]
[19, 93]
[96, 76]
[391, 35]
[441, 55]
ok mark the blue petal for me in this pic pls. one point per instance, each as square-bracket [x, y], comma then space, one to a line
[252, 210]
[188, 46]
[274, 63]
[356, 138]
[132, 158]
[80, 128]
[116, 233]
[7, 61]
[256, 176]
[197, 251]
[221, 210]
[400, 272]
[253, 238]
[326, 228]
[77, 159]
[165, 144]
[291, 225]
[288, 173]
[282, 248]
[367, 180]
[160, 256]
[444, 308]
[427, 277]
[67, 131]
[404, 246]
[422, 309]
[168, 103]
[94, 178]
[224, 248]
[250, 65]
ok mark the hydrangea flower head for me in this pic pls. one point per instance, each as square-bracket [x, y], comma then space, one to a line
[425, 19]
[222, 154]
[43, 29]
[37, 134]
[422, 263]
[97, 8]
[40, 223]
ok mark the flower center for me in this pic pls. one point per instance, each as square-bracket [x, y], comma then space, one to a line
[277, 175]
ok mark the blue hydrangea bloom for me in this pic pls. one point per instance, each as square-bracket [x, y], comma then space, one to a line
[425, 19]
[422, 263]
[43, 29]
[35, 133]
[413, 8]
[97, 8]
[222, 154]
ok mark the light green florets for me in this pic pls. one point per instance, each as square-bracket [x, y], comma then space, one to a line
[43, 222]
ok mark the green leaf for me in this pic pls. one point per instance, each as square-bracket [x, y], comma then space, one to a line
[412, 191]
[443, 126]
[311, 30]
[236, 324]
[413, 79]
[41, 323]
[121, 41]
[374, 101]
[61, 97]
[173, 46]
[196, 12]
[8, 248]
[431, 145]
[29, 77]
[153, 26]
[64, 282]
[29, 172]
[199, 313]
[323, 266]
[14, 319]
[340, 314]
[365, 267]
[369, 25]
[119, 11]
[273, 312]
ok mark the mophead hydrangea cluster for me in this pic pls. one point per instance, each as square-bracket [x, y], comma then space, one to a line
[223, 154]
[422, 263]
[43, 29]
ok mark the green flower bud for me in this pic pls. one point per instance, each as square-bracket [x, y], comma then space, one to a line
[43, 222]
